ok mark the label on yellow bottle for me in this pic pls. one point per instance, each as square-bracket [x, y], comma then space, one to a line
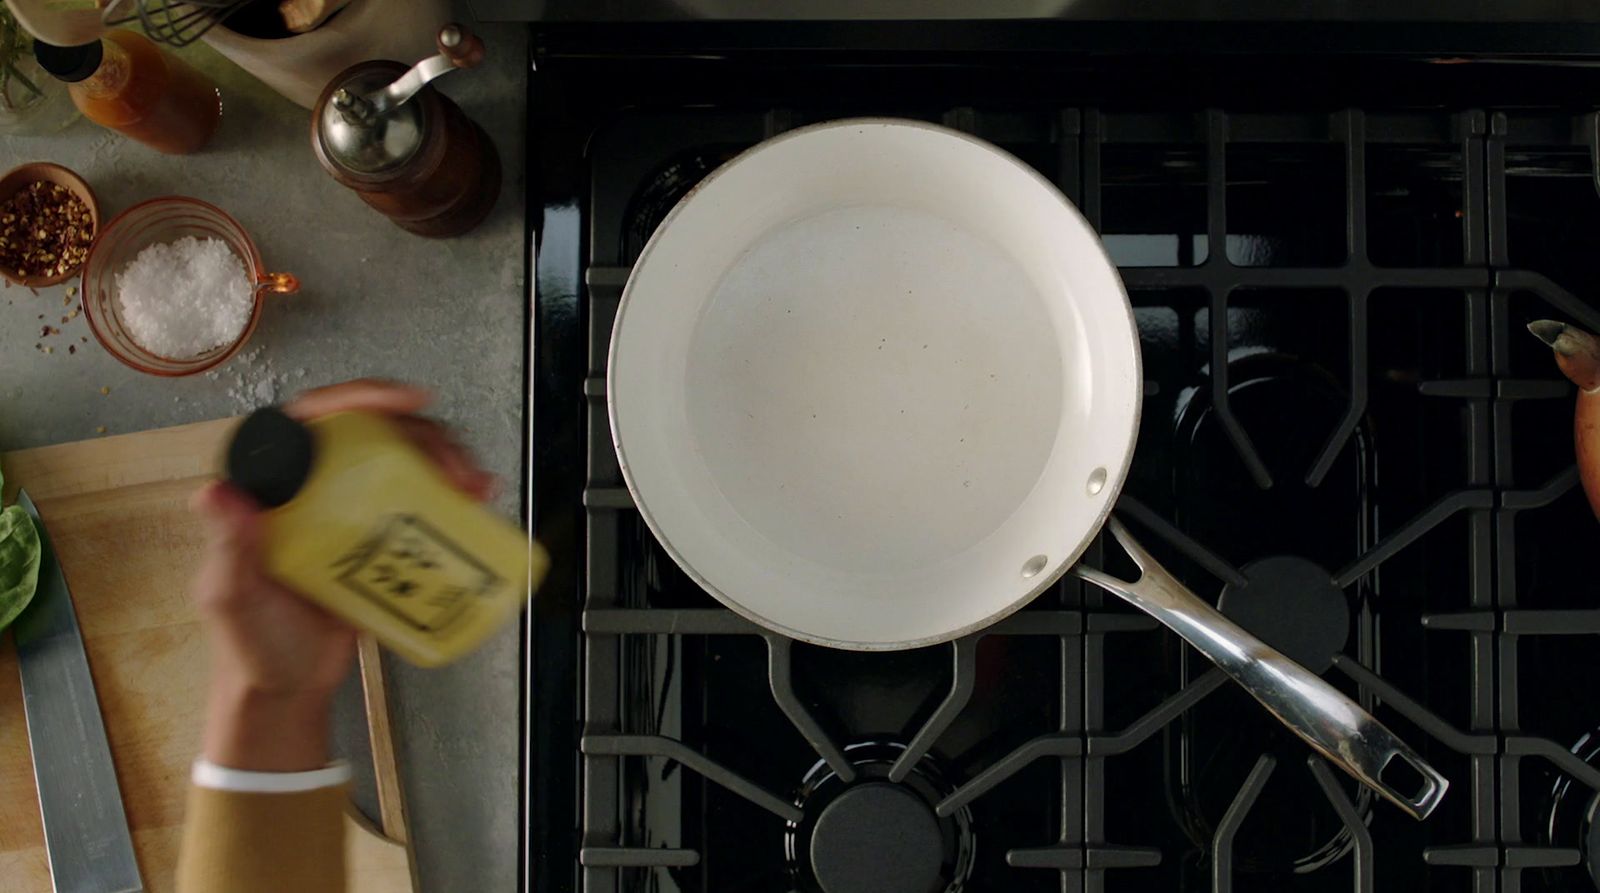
[379, 537]
[415, 572]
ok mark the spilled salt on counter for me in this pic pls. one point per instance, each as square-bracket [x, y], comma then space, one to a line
[182, 298]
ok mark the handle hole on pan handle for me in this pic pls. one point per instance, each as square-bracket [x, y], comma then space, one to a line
[1403, 778]
[1097, 481]
[1033, 566]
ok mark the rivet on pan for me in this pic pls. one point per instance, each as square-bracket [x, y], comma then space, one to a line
[1034, 565]
[1097, 481]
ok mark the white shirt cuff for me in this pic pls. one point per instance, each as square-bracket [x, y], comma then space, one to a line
[209, 775]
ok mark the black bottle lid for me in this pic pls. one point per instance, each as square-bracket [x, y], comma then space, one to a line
[270, 456]
[70, 64]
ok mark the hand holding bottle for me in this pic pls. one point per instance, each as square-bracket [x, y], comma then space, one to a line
[276, 657]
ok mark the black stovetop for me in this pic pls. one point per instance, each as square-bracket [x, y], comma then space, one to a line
[1347, 438]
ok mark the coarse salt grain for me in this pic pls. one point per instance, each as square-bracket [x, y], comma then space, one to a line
[180, 299]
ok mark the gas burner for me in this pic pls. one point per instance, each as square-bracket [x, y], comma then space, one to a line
[867, 821]
[874, 835]
[1286, 536]
[1293, 605]
[1574, 810]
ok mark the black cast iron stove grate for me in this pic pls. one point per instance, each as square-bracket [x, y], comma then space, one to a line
[1347, 437]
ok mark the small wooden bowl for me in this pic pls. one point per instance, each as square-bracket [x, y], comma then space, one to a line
[19, 177]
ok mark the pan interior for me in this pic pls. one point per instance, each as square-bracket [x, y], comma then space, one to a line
[874, 384]
[875, 388]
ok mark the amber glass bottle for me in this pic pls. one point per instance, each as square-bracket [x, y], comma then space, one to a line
[126, 83]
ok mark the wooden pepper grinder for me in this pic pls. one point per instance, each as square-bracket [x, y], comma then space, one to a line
[407, 150]
[1578, 354]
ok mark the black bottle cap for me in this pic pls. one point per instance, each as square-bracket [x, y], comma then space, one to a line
[270, 457]
[70, 64]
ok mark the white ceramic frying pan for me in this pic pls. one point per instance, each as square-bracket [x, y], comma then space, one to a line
[874, 384]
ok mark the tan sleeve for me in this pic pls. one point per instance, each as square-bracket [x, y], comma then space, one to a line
[236, 842]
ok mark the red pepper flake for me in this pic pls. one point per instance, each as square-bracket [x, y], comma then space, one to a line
[44, 229]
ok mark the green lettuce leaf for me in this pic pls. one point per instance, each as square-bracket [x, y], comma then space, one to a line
[19, 562]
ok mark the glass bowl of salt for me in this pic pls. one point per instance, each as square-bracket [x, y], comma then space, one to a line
[174, 286]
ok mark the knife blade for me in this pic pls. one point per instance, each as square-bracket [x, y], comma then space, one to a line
[85, 828]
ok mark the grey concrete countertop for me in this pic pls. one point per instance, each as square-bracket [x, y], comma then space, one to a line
[375, 301]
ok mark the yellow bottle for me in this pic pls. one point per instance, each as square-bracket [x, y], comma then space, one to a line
[363, 523]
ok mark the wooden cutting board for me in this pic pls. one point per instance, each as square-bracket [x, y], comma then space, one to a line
[116, 510]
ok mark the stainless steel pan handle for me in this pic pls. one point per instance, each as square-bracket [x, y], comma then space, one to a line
[1319, 713]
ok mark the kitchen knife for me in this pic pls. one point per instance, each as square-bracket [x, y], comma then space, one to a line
[85, 828]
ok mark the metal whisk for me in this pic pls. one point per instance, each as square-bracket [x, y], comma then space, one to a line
[173, 22]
